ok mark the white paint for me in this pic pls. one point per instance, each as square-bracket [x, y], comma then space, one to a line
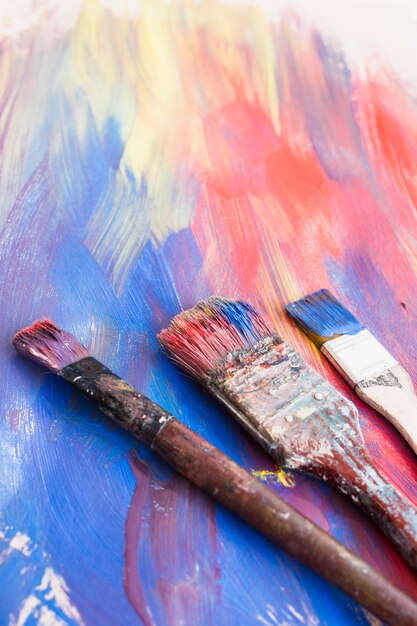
[129, 9]
[358, 357]
[18, 16]
[27, 610]
[272, 617]
[52, 590]
[21, 542]
[296, 614]
[49, 618]
[271, 612]
[32, 608]
[57, 590]
[47, 599]
[371, 29]
[262, 620]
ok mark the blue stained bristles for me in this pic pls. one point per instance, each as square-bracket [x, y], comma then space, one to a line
[239, 314]
[322, 315]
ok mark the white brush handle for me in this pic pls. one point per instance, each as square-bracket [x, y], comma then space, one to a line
[396, 402]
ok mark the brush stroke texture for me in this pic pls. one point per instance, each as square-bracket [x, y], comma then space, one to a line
[148, 162]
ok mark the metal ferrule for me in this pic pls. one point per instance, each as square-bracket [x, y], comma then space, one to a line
[122, 403]
[271, 391]
[358, 357]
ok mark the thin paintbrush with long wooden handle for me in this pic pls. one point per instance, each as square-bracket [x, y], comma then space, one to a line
[375, 375]
[295, 414]
[215, 473]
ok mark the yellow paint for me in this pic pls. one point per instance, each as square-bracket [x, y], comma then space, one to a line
[159, 74]
[279, 474]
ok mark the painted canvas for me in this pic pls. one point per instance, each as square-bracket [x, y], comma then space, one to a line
[154, 153]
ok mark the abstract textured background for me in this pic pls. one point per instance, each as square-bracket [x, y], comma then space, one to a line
[150, 158]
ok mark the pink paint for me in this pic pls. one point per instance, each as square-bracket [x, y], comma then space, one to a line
[188, 585]
[134, 529]
[174, 510]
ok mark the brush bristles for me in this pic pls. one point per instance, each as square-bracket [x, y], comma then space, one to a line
[46, 343]
[202, 337]
[322, 316]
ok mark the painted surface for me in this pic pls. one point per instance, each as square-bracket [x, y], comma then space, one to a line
[149, 160]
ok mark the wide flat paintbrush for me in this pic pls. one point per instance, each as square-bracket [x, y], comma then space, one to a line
[294, 413]
[214, 472]
[378, 379]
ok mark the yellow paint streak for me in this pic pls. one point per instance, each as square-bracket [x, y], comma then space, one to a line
[279, 474]
[159, 74]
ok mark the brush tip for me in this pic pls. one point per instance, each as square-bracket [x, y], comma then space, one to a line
[46, 343]
[322, 316]
[200, 338]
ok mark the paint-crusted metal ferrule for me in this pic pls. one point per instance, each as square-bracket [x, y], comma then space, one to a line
[115, 397]
[273, 393]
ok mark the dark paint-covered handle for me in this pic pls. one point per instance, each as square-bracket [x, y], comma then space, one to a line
[220, 477]
[116, 398]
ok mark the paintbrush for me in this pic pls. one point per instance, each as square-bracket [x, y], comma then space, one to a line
[295, 414]
[377, 378]
[214, 472]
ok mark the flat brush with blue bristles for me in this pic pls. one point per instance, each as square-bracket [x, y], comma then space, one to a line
[375, 375]
[294, 413]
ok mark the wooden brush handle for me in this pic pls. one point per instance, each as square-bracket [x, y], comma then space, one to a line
[393, 395]
[220, 477]
[254, 502]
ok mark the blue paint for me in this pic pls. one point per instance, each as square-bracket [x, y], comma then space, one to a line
[86, 162]
[320, 314]
[241, 315]
[113, 145]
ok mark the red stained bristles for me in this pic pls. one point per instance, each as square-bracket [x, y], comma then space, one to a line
[46, 343]
[200, 338]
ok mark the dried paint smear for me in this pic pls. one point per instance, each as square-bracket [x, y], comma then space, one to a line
[155, 153]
